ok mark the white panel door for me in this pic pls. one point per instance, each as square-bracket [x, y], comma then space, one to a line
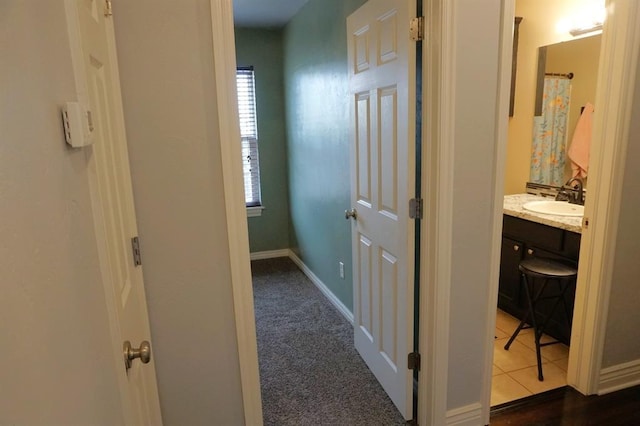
[382, 89]
[94, 56]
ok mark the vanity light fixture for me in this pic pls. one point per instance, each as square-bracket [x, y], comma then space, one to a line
[584, 30]
[587, 18]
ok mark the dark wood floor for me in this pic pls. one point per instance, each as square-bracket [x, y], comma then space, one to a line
[566, 406]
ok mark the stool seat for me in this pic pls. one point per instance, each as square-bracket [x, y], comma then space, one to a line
[546, 268]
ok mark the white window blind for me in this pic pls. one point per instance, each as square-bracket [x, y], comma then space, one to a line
[249, 135]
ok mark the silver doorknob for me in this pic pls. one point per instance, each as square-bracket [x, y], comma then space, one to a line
[351, 213]
[143, 352]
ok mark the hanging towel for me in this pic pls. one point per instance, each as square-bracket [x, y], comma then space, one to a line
[580, 143]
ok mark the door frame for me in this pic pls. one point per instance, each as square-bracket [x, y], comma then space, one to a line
[224, 57]
[437, 225]
[614, 95]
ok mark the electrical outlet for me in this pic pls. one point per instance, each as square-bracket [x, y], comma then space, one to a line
[341, 267]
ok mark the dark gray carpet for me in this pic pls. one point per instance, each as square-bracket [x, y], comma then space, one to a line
[310, 373]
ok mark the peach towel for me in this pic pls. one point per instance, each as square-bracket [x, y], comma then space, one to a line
[580, 143]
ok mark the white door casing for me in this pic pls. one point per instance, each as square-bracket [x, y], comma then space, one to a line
[97, 81]
[381, 61]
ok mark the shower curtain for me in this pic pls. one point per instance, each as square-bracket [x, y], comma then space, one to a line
[550, 133]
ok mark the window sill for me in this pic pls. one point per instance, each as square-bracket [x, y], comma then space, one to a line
[254, 211]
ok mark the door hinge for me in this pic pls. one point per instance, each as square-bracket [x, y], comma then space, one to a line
[108, 8]
[413, 361]
[415, 208]
[135, 248]
[416, 28]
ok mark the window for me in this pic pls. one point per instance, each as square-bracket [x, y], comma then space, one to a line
[249, 136]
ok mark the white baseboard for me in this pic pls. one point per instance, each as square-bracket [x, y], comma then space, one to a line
[619, 377]
[270, 254]
[469, 415]
[322, 287]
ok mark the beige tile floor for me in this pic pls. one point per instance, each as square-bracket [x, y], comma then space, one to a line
[515, 372]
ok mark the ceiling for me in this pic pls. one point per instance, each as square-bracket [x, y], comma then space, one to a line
[265, 13]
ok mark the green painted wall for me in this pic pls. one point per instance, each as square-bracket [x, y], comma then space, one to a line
[318, 146]
[262, 48]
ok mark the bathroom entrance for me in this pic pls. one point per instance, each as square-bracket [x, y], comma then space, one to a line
[552, 101]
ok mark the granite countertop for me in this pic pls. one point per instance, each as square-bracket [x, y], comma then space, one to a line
[513, 207]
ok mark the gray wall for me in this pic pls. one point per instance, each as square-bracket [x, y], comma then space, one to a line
[621, 342]
[56, 363]
[167, 74]
[318, 144]
[262, 48]
[475, 158]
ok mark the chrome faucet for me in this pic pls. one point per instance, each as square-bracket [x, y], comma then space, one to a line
[572, 191]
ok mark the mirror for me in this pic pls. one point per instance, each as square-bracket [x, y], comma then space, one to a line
[566, 83]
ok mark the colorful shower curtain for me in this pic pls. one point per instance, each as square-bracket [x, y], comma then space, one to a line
[550, 133]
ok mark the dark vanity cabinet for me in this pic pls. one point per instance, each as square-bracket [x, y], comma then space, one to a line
[521, 239]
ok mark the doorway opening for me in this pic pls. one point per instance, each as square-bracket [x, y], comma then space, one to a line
[301, 213]
[554, 82]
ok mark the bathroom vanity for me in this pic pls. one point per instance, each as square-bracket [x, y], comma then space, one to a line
[528, 234]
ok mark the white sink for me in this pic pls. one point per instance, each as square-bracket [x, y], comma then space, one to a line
[558, 208]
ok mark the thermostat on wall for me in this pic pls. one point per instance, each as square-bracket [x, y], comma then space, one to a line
[78, 126]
